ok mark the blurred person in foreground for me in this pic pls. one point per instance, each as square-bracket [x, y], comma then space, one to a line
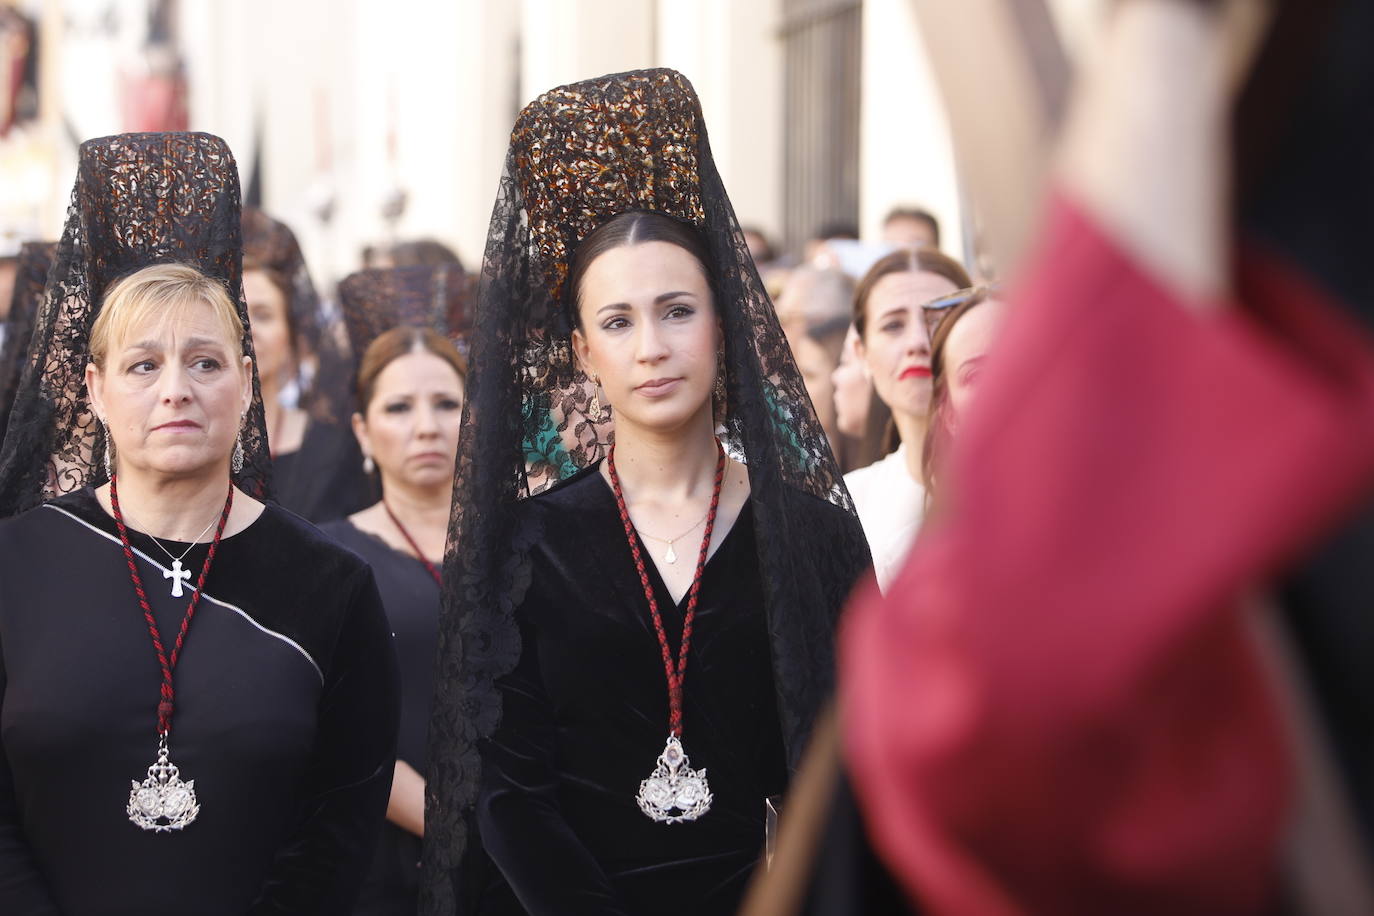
[1075, 701]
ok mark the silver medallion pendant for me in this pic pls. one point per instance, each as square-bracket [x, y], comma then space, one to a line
[674, 793]
[162, 802]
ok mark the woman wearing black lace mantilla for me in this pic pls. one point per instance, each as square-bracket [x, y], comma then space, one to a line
[651, 541]
[197, 689]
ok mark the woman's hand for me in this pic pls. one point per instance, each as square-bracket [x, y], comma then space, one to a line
[406, 809]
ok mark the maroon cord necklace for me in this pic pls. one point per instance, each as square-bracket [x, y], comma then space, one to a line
[414, 547]
[674, 792]
[162, 802]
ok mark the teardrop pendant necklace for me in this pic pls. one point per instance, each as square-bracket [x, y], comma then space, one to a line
[670, 555]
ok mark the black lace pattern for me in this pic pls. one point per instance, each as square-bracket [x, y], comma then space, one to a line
[376, 300]
[579, 155]
[139, 199]
[35, 259]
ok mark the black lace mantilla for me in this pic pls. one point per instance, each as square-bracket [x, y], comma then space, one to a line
[35, 259]
[579, 155]
[139, 199]
[376, 300]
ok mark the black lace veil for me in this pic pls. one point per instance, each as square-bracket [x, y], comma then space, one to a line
[35, 258]
[579, 155]
[139, 199]
[376, 300]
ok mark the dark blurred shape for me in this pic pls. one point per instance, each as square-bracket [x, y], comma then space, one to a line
[155, 95]
[19, 66]
[1307, 191]
[413, 253]
[760, 248]
[35, 258]
[375, 301]
[911, 227]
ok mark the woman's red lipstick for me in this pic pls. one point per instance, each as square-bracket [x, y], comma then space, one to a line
[915, 372]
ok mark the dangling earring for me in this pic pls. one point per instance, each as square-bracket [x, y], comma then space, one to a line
[109, 450]
[718, 389]
[369, 466]
[596, 411]
[236, 460]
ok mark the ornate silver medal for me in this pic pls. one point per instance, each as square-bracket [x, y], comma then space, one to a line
[162, 802]
[675, 793]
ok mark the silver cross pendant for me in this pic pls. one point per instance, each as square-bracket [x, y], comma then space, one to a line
[178, 575]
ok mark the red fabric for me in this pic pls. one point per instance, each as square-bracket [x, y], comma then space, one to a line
[156, 102]
[1058, 708]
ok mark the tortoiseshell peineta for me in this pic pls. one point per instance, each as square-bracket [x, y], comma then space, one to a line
[586, 152]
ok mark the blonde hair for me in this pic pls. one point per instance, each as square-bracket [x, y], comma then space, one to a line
[162, 291]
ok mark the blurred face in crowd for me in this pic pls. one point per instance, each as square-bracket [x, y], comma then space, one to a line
[816, 368]
[908, 232]
[412, 421]
[9, 269]
[649, 332]
[759, 248]
[271, 332]
[966, 350]
[895, 345]
[852, 389]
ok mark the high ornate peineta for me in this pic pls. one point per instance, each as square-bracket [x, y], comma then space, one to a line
[139, 199]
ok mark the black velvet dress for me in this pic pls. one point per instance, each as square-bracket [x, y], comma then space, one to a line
[586, 716]
[411, 597]
[286, 710]
[323, 480]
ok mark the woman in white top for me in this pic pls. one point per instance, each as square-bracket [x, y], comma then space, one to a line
[890, 493]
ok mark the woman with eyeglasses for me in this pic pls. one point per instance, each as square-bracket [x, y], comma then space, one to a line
[895, 351]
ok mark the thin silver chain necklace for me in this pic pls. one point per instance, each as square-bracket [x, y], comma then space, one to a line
[178, 573]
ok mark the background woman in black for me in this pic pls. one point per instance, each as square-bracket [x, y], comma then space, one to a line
[410, 401]
[170, 615]
[553, 703]
[316, 468]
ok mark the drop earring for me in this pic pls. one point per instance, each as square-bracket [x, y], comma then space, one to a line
[596, 411]
[369, 466]
[109, 450]
[236, 460]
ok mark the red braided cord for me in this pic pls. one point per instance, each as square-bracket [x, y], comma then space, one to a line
[168, 693]
[414, 547]
[675, 677]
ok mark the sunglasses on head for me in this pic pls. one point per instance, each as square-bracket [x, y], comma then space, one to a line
[936, 310]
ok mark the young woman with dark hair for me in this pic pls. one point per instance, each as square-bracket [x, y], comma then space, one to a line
[895, 348]
[651, 537]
